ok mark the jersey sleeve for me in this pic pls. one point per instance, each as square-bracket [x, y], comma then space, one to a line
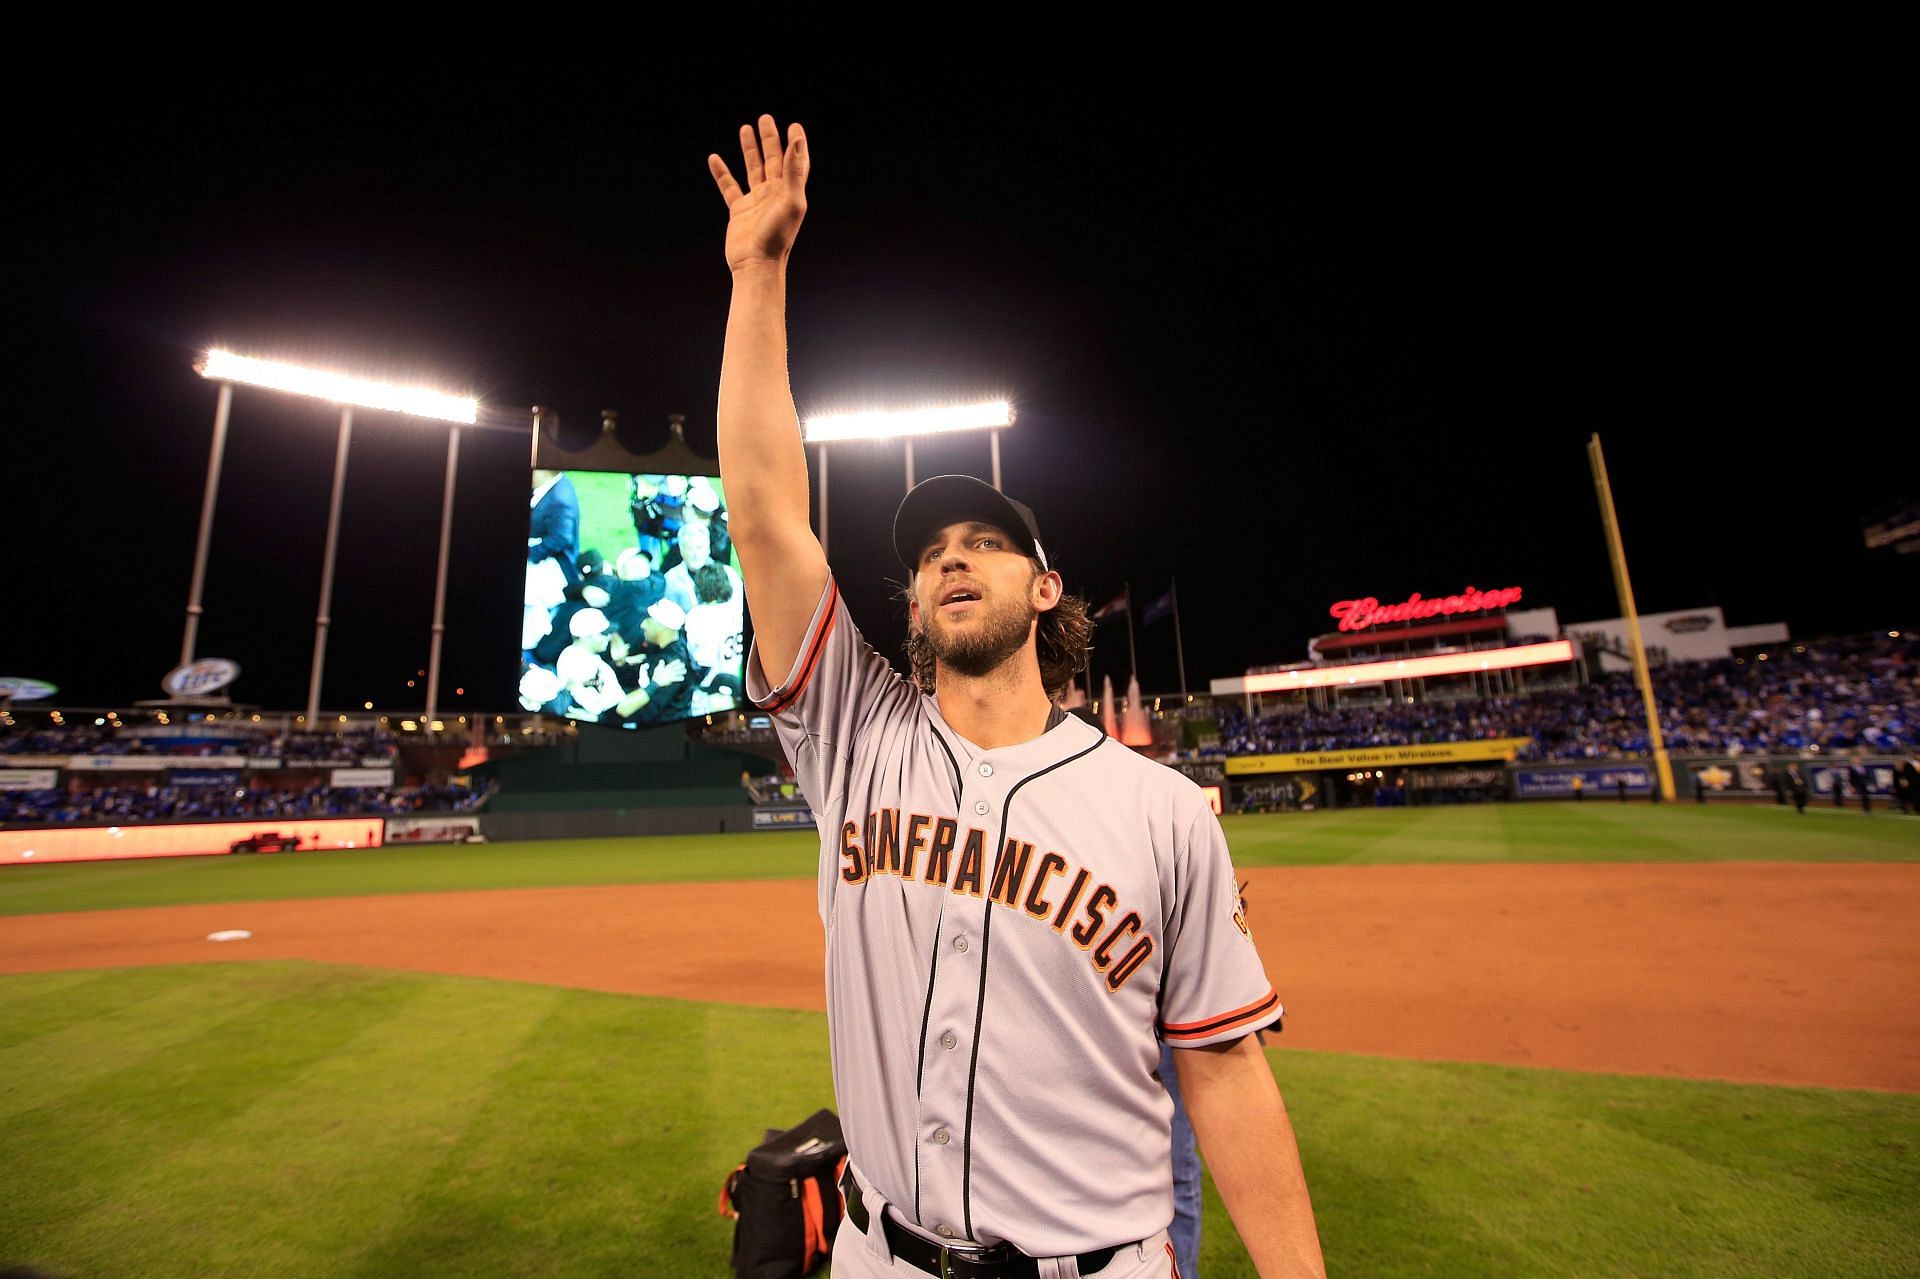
[834, 692]
[1214, 988]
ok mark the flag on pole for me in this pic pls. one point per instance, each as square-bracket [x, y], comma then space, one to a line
[1158, 611]
[1111, 609]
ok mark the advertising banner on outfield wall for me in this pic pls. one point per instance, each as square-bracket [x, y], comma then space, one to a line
[151, 763]
[118, 763]
[1204, 772]
[179, 839]
[783, 819]
[443, 828]
[204, 777]
[1502, 748]
[1457, 778]
[1557, 783]
[28, 779]
[1879, 779]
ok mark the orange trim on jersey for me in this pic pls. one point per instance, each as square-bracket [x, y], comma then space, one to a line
[781, 701]
[1174, 1261]
[1251, 1013]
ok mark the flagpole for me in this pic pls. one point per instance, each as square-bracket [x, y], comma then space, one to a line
[1133, 662]
[1179, 648]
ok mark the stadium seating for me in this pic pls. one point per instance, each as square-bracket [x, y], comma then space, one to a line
[1858, 692]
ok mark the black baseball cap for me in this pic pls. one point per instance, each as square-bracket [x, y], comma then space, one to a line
[947, 499]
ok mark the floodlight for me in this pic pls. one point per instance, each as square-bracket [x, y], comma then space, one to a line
[414, 401]
[887, 424]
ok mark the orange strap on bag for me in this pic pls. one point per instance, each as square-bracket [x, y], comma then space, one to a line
[815, 1215]
[726, 1193]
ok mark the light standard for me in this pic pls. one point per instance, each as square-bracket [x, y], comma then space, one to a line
[992, 417]
[349, 393]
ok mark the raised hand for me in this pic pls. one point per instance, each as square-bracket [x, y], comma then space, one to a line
[764, 218]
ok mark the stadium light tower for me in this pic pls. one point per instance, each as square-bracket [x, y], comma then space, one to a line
[349, 393]
[993, 417]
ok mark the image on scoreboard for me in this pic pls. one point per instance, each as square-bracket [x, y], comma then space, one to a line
[634, 611]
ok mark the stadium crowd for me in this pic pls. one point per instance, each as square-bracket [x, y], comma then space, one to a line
[132, 739]
[182, 803]
[1860, 692]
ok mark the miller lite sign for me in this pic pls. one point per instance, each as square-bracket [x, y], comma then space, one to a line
[198, 678]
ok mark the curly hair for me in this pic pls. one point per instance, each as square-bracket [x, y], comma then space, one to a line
[711, 585]
[1063, 639]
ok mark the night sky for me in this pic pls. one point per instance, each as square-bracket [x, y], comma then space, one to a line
[1334, 322]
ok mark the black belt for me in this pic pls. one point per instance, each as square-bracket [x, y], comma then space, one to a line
[1002, 1261]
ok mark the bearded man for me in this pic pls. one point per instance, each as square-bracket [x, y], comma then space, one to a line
[1017, 907]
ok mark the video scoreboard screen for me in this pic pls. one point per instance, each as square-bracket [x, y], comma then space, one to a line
[634, 613]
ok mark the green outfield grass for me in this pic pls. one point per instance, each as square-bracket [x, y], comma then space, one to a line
[1588, 832]
[299, 1119]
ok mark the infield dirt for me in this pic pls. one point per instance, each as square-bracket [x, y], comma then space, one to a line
[1760, 972]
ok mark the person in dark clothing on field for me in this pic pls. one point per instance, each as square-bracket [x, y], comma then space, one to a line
[1862, 784]
[1797, 783]
[1907, 786]
[1699, 789]
[1620, 784]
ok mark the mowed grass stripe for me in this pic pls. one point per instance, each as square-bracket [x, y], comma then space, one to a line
[65, 1157]
[1487, 1170]
[586, 1134]
[1595, 831]
[603, 1146]
[113, 1022]
[361, 1122]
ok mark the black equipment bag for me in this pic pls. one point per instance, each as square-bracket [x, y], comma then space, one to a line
[785, 1199]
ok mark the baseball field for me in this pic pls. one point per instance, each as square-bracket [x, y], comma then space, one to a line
[1571, 1039]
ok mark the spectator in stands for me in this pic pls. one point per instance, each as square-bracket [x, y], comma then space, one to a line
[121, 803]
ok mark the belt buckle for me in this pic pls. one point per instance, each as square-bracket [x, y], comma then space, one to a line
[946, 1262]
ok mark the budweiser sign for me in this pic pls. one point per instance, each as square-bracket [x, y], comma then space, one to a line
[1358, 615]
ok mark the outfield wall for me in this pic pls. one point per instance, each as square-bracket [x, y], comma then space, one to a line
[616, 823]
[1284, 783]
[178, 839]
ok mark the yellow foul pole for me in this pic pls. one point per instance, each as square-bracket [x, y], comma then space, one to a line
[1663, 767]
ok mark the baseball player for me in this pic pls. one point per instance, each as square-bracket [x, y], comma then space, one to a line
[1014, 903]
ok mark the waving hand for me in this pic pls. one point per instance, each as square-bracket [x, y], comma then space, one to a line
[764, 217]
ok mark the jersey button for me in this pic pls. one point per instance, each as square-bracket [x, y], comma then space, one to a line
[960, 944]
[947, 1041]
[941, 1138]
[943, 1230]
[986, 770]
[981, 807]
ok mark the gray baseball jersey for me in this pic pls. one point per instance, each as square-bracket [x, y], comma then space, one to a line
[1006, 929]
